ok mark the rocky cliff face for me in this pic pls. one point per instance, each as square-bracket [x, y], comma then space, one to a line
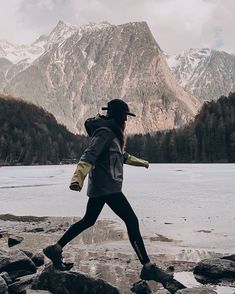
[207, 74]
[82, 68]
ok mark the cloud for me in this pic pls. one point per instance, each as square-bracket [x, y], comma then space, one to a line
[176, 24]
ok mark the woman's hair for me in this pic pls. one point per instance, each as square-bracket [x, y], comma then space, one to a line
[122, 136]
[120, 122]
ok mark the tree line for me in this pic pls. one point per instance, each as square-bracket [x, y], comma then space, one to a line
[31, 135]
[210, 137]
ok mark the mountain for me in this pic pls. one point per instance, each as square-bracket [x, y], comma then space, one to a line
[31, 135]
[207, 74]
[82, 68]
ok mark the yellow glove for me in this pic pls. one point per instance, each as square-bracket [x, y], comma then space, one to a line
[132, 160]
[83, 168]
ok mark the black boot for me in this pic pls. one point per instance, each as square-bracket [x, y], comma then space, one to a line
[55, 255]
[155, 273]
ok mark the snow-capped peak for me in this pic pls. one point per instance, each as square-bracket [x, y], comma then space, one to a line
[16, 53]
[60, 33]
[187, 64]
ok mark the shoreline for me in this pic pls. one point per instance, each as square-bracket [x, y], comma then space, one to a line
[103, 250]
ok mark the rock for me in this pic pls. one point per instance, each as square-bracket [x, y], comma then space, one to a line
[16, 263]
[71, 283]
[229, 257]
[38, 259]
[12, 241]
[28, 253]
[21, 285]
[3, 286]
[141, 287]
[196, 290]
[163, 291]
[36, 230]
[216, 268]
[173, 286]
[6, 277]
[30, 291]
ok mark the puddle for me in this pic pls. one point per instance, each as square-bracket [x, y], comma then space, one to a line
[187, 278]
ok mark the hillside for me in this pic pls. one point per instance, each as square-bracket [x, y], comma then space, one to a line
[30, 135]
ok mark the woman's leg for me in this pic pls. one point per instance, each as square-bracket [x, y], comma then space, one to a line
[120, 205]
[54, 252]
[94, 207]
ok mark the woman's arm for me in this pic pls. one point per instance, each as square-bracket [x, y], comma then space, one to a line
[132, 160]
[101, 140]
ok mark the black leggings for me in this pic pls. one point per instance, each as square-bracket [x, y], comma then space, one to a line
[119, 204]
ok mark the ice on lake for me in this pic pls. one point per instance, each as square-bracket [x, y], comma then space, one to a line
[191, 204]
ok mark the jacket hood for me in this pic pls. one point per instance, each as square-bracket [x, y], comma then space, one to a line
[94, 123]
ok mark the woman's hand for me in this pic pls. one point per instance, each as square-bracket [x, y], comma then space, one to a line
[75, 187]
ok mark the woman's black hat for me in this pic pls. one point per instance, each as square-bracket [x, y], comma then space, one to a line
[118, 106]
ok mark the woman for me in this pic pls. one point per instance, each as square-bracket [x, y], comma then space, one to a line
[103, 160]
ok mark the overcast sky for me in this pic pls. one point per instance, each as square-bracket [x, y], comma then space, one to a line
[176, 24]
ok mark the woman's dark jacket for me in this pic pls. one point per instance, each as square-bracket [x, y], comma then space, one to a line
[106, 156]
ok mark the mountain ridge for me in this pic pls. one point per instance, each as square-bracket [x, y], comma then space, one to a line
[77, 75]
[205, 73]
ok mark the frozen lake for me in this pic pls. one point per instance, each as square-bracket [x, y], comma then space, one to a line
[194, 204]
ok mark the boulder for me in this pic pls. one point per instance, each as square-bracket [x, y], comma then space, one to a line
[196, 290]
[21, 285]
[216, 268]
[6, 277]
[71, 283]
[28, 253]
[16, 263]
[38, 259]
[14, 240]
[141, 287]
[3, 286]
[229, 257]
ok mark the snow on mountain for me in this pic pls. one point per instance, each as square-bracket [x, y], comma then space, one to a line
[205, 73]
[82, 68]
[16, 53]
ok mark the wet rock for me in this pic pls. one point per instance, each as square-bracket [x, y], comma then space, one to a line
[38, 259]
[30, 291]
[229, 257]
[36, 230]
[16, 263]
[216, 268]
[3, 286]
[173, 286]
[28, 253]
[196, 290]
[14, 240]
[72, 283]
[6, 277]
[21, 285]
[141, 287]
